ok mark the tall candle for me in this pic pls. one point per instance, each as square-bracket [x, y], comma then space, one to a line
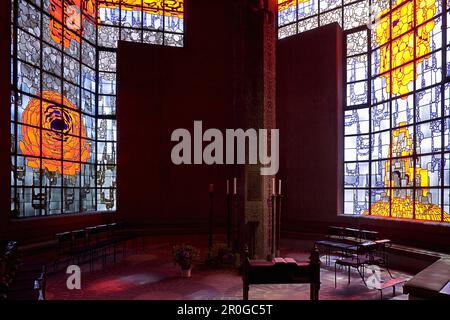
[211, 188]
[279, 186]
[228, 186]
[273, 186]
[234, 185]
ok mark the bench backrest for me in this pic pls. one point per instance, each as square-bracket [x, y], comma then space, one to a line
[357, 234]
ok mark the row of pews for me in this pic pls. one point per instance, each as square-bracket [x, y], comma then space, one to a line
[359, 249]
[92, 243]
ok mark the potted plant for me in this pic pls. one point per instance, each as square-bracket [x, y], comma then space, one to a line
[183, 255]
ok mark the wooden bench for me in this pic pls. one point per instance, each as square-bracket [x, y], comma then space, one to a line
[271, 272]
[85, 245]
[341, 240]
[431, 282]
[387, 284]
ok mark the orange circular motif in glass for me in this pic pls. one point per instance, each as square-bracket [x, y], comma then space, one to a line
[62, 129]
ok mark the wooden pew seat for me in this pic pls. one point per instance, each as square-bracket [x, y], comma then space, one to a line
[430, 282]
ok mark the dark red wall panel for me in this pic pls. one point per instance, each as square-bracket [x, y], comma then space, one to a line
[309, 107]
[162, 89]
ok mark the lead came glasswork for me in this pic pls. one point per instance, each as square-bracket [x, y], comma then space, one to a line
[402, 81]
[63, 145]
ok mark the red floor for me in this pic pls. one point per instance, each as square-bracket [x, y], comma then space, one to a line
[151, 274]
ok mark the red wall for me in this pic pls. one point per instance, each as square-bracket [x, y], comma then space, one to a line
[309, 104]
[309, 115]
[162, 89]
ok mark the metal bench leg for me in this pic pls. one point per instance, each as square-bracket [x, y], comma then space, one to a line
[90, 260]
[335, 281]
[389, 271]
[362, 277]
[348, 274]
[329, 257]
[55, 265]
[103, 257]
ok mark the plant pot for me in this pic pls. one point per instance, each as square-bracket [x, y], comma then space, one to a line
[186, 273]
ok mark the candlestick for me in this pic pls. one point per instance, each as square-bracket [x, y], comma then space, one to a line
[273, 186]
[279, 187]
[234, 185]
[210, 238]
[228, 186]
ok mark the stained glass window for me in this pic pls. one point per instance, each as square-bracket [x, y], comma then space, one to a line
[63, 103]
[396, 116]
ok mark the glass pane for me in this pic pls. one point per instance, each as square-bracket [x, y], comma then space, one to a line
[402, 204]
[428, 204]
[287, 12]
[381, 145]
[356, 202]
[357, 93]
[308, 24]
[403, 141]
[428, 137]
[356, 14]
[330, 17]
[379, 91]
[308, 8]
[356, 175]
[403, 111]
[356, 43]
[287, 31]
[381, 117]
[380, 203]
[428, 171]
[357, 68]
[429, 70]
[381, 173]
[428, 104]
[357, 121]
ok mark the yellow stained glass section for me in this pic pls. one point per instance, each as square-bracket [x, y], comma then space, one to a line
[169, 8]
[399, 201]
[284, 4]
[397, 23]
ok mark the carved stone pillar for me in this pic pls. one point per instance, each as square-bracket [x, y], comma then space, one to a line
[254, 105]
